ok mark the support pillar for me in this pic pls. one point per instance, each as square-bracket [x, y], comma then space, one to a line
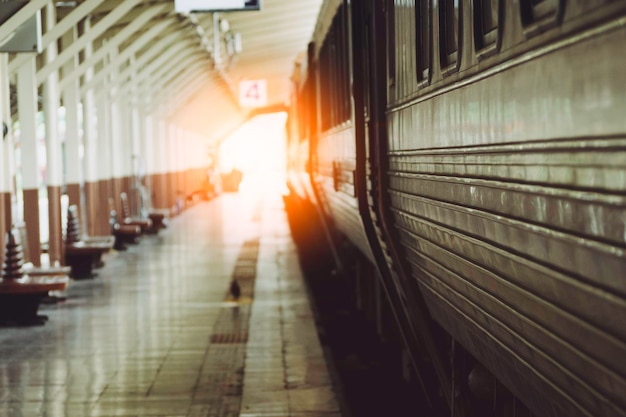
[169, 163]
[116, 139]
[160, 183]
[27, 104]
[147, 150]
[138, 162]
[51, 104]
[91, 161]
[5, 174]
[73, 161]
[179, 147]
[117, 155]
[105, 183]
[126, 155]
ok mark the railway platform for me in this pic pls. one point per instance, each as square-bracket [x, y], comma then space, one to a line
[158, 333]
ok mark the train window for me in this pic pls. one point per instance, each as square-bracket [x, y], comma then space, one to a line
[366, 66]
[540, 15]
[325, 74]
[345, 69]
[486, 27]
[334, 73]
[449, 34]
[391, 42]
[423, 40]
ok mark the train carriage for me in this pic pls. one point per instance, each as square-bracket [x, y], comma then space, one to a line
[474, 152]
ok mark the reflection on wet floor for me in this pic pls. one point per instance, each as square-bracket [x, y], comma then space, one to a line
[157, 334]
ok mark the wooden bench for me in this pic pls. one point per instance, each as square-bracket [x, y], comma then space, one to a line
[20, 294]
[159, 219]
[124, 234]
[128, 219]
[74, 234]
[82, 256]
[28, 265]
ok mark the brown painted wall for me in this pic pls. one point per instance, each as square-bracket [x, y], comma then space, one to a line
[5, 224]
[55, 240]
[7, 203]
[166, 188]
[31, 218]
[167, 192]
[132, 196]
[73, 195]
[102, 219]
[126, 185]
[115, 194]
[91, 209]
[181, 187]
[196, 180]
[152, 180]
[162, 191]
[177, 192]
[182, 184]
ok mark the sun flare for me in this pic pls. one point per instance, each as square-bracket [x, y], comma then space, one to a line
[258, 150]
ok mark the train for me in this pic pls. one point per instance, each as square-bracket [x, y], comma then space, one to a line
[465, 161]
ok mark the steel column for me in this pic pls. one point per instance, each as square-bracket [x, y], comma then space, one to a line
[8, 146]
[27, 107]
[73, 160]
[104, 163]
[5, 174]
[148, 144]
[90, 162]
[51, 104]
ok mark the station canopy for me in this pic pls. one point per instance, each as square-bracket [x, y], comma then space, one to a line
[209, 69]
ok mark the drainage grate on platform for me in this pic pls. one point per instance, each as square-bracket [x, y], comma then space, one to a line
[221, 382]
[229, 338]
[243, 272]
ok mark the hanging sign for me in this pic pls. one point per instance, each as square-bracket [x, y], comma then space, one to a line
[207, 6]
[253, 93]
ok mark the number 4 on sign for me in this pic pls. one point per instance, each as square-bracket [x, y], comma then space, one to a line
[252, 93]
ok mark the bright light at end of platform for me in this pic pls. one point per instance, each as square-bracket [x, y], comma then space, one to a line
[258, 149]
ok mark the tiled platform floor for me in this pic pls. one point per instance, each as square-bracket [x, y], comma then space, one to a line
[156, 335]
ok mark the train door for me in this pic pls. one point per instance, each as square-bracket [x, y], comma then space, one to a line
[370, 20]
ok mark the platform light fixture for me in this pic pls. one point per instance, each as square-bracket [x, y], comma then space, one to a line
[209, 6]
[224, 25]
[27, 37]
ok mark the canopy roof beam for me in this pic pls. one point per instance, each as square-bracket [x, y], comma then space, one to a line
[129, 52]
[59, 29]
[115, 42]
[97, 30]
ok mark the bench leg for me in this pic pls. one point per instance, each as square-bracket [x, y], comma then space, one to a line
[98, 262]
[21, 309]
[82, 266]
[122, 240]
[119, 243]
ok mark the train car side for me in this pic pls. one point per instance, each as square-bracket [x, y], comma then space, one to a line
[474, 153]
[507, 185]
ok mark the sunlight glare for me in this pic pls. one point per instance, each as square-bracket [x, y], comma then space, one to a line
[258, 150]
